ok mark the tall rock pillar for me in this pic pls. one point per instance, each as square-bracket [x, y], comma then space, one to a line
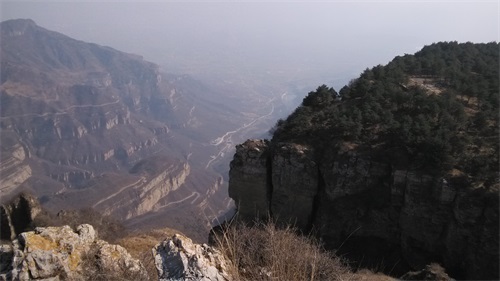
[249, 186]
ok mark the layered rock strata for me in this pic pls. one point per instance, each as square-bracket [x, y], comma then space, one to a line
[13, 170]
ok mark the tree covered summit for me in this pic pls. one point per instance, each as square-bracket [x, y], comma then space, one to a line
[436, 111]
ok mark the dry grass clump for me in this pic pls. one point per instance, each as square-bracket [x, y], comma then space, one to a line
[265, 252]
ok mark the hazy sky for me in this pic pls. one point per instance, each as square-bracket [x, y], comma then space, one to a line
[344, 35]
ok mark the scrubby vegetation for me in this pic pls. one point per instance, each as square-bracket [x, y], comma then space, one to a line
[266, 252]
[436, 110]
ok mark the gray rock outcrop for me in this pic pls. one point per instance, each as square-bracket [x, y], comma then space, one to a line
[178, 258]
[364, 206]
[59, 253]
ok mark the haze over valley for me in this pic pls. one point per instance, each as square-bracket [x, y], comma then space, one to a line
[135, 108]
[88, 126]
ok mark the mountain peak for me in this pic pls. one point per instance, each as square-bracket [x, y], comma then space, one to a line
[16, 27]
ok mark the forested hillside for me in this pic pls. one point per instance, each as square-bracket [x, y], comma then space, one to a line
[435, 111]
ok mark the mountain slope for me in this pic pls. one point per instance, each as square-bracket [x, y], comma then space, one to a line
[397, 170]
[88, 126]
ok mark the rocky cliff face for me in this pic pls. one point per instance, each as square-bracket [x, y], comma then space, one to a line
[250, 185]
[13, 170]
[368, 208]
[16, 216]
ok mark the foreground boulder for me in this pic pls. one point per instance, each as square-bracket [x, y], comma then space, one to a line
[59, 253]
[178, 258]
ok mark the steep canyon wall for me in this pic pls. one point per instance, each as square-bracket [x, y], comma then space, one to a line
[393, 217]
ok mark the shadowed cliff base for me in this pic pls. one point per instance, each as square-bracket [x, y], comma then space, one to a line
[267, 252]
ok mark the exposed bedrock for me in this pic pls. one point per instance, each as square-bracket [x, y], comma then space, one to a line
[13, 169]
[61, 253]
[250, 187]
[400, 219]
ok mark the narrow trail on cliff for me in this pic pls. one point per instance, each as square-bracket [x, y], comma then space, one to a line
[138, 182]
[63, 112]
[194, 193]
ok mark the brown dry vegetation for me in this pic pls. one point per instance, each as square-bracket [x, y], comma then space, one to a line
[260, 252]
[265, 252]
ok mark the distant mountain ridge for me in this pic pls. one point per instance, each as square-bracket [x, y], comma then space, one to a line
[60, 95]
[76, 117]
[58, 50]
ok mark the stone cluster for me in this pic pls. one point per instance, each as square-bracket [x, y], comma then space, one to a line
[60, 253]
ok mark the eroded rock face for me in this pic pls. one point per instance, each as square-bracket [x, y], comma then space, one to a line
[179, 258]
[13, 170]
[374, 210]
[294, 185]
[17, 215]
[59, 253]
[251, 188]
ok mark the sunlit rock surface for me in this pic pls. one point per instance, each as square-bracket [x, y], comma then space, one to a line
[60, 253]
[178, 258]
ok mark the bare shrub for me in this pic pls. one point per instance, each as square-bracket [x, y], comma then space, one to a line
[44, 219]
[265, 252]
